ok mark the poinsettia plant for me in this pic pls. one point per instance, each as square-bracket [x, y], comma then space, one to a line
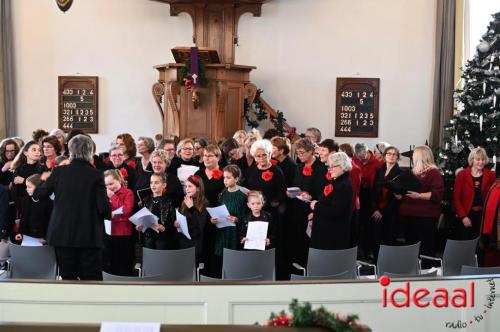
[302, 315]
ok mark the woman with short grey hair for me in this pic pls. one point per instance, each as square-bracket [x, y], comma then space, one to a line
[331, 216]
[267, 178]
[342, 160]
[263, 145]
[76, 227]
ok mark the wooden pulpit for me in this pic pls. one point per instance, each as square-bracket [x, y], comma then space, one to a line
[220, 110]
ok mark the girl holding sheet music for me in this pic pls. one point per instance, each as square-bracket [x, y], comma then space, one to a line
[163, 236]
[235, 200]
[119, 254]
[255, 204]
[35, 213]
[194, 208]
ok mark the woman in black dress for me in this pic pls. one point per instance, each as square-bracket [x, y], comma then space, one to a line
[213, 181]
[385, 205]
[26, 163]
[269, 179]
[8, 151]
[144, 169]
[281, 149]
[310, 178]
[332, 210]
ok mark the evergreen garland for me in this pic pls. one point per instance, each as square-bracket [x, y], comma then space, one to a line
[302, 315]
[255, 113]
[279, 123]
[184, 72]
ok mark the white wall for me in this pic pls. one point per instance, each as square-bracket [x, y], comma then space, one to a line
[480, 17]
[300, 48]
[95, 302]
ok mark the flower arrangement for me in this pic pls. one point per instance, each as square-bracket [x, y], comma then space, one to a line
[302, 315]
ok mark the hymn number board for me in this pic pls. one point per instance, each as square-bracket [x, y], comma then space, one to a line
[356, 113]
[78, 103]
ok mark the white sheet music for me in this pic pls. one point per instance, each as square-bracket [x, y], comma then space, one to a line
[117, 212]
[186, 171]
[29, 241]
[293, 192]
[221, 213]
[256, 235]
[144, 217]
[183, 222]
[107, 226]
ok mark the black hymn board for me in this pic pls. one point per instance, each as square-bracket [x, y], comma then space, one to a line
[78, 103]
[356, 112]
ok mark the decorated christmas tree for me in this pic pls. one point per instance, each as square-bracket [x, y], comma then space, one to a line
[476, 119]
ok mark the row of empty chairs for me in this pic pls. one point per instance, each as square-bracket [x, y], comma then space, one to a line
[179, 265]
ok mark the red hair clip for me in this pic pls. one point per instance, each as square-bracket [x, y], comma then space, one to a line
[195, 180]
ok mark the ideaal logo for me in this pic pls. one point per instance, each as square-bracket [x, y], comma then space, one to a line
[438, 298]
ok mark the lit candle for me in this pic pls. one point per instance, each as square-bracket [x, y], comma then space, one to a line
[494, 100]
[456, 138]
[484, 88]
[481, 123]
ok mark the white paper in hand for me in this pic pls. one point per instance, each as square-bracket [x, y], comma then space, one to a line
[117, 212]
[107, 226]
[29, 241]
[256, 235]
[221, 213]
[293, 192]
[144, 217]
[183, 222]
[309, 229]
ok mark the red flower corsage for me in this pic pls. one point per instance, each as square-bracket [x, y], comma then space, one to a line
[274, 162]
[52, 164]
[124, 172]
[217, 174]
[329, 176]
[132, 164]
[267, 175]
[328, 190]
[307, 171]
